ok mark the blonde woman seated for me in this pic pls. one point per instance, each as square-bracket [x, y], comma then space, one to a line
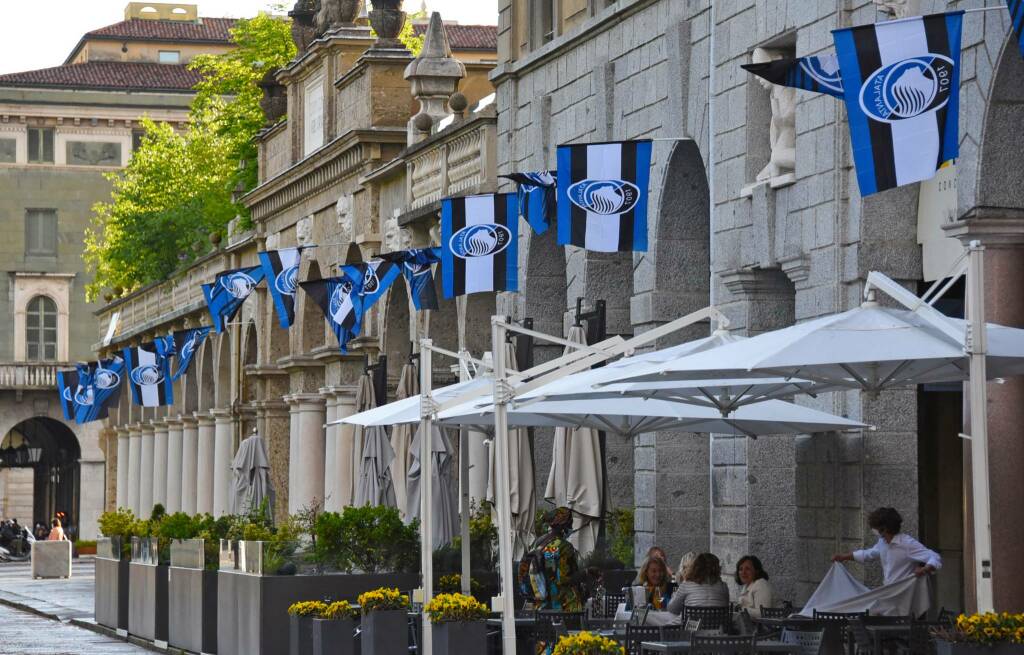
[685, 562]
[702, 586]
[655, 551]
[657, 582]
[755, 590]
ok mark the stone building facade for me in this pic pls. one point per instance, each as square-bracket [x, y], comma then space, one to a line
[61, 130]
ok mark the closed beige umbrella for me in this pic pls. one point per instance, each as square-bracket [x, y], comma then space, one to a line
[349, 455]
[576, 479]
[401, 438]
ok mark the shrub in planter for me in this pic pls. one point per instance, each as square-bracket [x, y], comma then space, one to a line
[983, 634]
[459, 625]
[588, 643]
[85, 547]
[301, 617]
[334, 630]
[119, 523]
[385, 621]
[367, 539]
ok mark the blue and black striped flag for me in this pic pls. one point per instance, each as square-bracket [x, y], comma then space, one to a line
[149, 376]
[227, 293]
[99, 384]
[281, 268]
[819, 73]
[1016, 8]
[901, 82]
[186, 344]
[67, 387]
[602, 195]
[537, 196]
[378, 276]
[479, 244]
[417, 266]
[341, 301]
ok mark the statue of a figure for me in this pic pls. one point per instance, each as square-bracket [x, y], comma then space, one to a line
[392, 240]
[435, 234]
[782, 133]
[304, 231]
[333, 13]
[343, 209]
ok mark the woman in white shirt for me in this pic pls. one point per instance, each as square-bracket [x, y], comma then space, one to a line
[702, 586]
[755, 590]
[900, 554]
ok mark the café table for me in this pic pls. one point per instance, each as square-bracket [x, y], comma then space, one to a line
[770, 646]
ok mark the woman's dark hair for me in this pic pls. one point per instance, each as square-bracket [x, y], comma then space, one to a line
[759, 572]
[885, 519]
[706, 569]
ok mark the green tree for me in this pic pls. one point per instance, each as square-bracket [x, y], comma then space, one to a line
[178, 187]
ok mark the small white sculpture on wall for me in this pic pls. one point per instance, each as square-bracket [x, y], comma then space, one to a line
[435, 234]
[898, 8]
[273, 240]
[304, 230]
[343, 209]
[782, 132]
[392, 234]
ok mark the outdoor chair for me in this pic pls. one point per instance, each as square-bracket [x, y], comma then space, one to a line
[809, 641]
[775, 612]
[637, 634]
[743, 623]
[611, 604]
[921, 641]
[711, 618]
[571, 620]
[864, 643]
[839, 620]
[721, 645]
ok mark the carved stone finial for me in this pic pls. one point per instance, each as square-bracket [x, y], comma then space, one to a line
[782, 132]
[458, 103]
[387, 20]
[274, 102]
[434, 76]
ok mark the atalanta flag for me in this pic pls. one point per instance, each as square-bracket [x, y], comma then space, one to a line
[186, 344]
[479, 244]
[818, 73]
[67, 387]
[417, 267]
[901, 82]
[341, 301]
[281, 268]
[602, 195]
[1016, 8]
[537, 196]
[99, 384]
[149, 376]
[227, 293]
[378, 276]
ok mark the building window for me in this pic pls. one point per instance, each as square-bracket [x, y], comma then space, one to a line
[40, 145]
[41, 329]
[169, 57]
[41, 233]
[547, 20]
[137, 139]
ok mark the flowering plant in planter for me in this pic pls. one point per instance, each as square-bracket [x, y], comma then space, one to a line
[986, 629]
[311, 608]
[587, 643]
[383, 599]
[338, 610]
[455, 607]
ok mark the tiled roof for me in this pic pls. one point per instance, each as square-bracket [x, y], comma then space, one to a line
[467, 37]
[113, 75]
[207, 30]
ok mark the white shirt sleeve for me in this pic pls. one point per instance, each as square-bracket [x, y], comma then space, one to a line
[919, 553]
[867, 554]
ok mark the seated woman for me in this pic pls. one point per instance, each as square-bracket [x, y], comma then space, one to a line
[655, 578]
[702, 586]
[655, 551]
[755, 590]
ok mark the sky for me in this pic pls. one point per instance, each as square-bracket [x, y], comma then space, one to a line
[42, 34]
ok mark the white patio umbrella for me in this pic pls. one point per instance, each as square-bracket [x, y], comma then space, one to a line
[400, 411]
[444, 508]
[401, 439]
[576, 478]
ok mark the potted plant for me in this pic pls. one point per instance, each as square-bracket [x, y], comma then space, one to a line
[192, 580]
[990, 633]
[334, 629]
[459, 624]
[384, 621]
[148, 577]
[85, 547]
[300, 620]
[588, 643]
[111, 589]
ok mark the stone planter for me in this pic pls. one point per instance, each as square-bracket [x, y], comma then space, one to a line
[943, 647]
[459, 637]
[111, 589]
[335, 637]
[192, 599]
[300, 634]
[385, 632]
[387, 20]
[51, 559]
[147, 593]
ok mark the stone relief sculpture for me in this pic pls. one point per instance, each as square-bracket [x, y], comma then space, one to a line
[897, 8]
[782, 132]
[90, 153]
[343, 210]
[334, 13]
[304, 231]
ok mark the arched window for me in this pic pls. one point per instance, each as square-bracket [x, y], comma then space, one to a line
[41, 329]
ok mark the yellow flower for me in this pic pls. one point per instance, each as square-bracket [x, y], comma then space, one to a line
[307, 608]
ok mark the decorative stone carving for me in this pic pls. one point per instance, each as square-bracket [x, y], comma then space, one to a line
[387, 20]
[272, 241]
[898, 8]
[304, 231]
[435, 234]
[335, 13]
[782, 133]
[274, 102]
[343, 209]
[303, 29]
[93, 153]
[434, 76]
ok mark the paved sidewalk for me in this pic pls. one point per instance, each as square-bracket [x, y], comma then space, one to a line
[26, 634]
[60, 599]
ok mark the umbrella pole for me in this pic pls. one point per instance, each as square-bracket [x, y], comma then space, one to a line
[504, 492]
[463, 458]
[977, 348]
[426, 491]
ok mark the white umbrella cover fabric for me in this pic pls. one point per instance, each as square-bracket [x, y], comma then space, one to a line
[375, 486]
[401, 439]
[576, 477]
[840, 592]
[251, 470]
[445, 510]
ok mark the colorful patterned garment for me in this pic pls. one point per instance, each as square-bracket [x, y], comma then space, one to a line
[560, 568]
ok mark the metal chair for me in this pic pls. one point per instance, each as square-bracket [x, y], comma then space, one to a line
[611, 604]
[711, 618]
[921, 641]
[571, 620]
[637, 634]
[775, 612]
[809, 641]
[863, 642]
[840, 621]
[721, 645]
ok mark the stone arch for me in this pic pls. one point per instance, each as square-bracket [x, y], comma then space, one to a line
[190, 395]
[309, 319]
[250, 357]
[222, 371]
[395, 340]
[204, 375]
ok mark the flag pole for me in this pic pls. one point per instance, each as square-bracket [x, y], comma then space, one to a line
[465, 578]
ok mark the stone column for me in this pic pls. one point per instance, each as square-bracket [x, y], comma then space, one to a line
[223, 442]
[146, 473]
[160, 463]
[306, 475]
[189, 461]
[134, 467]
[123, 459]
[204, 463]
[273, 421]
[293, 449]
[338, 484]
[174, 437]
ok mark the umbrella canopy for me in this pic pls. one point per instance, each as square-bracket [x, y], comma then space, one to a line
[576, 478]
[401, 438]
[444, 512]
[251, 469]
[408, 410]
[372, 455]
[871, 348]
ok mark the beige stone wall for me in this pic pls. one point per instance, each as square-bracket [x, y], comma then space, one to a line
[143, 51]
